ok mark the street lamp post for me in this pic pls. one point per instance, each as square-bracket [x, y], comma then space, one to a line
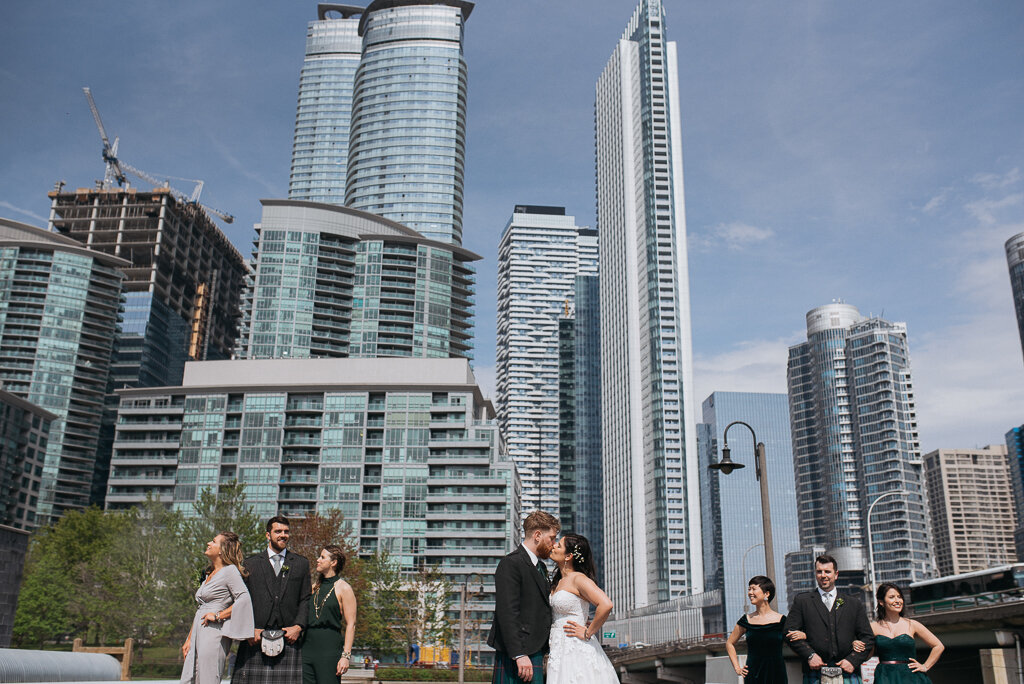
[727, 465]
[743, 566]
[463, 592]
[871, 546]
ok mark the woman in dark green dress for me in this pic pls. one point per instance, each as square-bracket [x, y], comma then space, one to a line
[895, 643]
[765, 630]
[325, 656]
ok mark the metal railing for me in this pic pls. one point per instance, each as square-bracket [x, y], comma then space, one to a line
[953, 603]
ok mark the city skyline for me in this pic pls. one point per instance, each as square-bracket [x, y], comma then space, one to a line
[790, 163]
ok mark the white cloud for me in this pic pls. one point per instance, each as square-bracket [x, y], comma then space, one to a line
[967, 381]
[985, 210]
[935, 202]
[734, 236]
[26, 212]
[749, 366]
[996, 181]
[967, 373]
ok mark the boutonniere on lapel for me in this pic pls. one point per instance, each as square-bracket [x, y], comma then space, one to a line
[284, 570]
[839, 602]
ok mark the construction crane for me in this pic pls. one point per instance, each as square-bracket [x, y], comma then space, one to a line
[116, 169]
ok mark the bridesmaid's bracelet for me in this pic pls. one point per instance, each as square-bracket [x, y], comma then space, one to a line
[346, 656]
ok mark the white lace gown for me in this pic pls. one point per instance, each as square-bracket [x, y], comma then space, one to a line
[572, 660]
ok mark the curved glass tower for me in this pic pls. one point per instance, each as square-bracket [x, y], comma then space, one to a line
[323, 116]
[407, 145]
[1015, 261]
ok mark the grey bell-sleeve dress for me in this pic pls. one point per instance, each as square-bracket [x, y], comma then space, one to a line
[210, 644]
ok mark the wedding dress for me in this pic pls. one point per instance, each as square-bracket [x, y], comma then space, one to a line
[572, 660]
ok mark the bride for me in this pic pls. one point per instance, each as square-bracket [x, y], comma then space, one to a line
[575, 653]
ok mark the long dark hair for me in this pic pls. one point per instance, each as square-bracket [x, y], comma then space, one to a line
[577, 549]
[337, 555]
[883, 589]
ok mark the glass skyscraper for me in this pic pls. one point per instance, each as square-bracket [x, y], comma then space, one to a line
[580, 503]
[407, 150]
[854, 428]
[324, 112]
[1015, 261]
[651, 496]
[540, 253]
[59, 306]
[731, 505]
[331, 281]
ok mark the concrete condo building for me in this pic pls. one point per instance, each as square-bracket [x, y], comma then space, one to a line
[1015, 261]
[407, 449]
[332, 281]
[58, 319]
[652, 507]
[324, 112]
[854, 431]
[730, 504]
[970, 503]
[539, 256]
[407, 149]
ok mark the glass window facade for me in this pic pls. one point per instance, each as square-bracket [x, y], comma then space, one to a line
[323, 114]
[731, 506]
[854, 426]
[58, 320]
[408, 137]
[336, 282]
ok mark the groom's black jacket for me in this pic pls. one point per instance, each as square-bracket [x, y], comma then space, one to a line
[830, 634]
[522, 615]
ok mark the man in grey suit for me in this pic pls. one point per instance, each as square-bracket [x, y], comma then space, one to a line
[832, 623]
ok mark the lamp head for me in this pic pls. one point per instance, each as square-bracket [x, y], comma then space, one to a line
[726, 465]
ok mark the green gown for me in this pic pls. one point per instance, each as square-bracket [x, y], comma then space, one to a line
[324, 637]
[894, 656]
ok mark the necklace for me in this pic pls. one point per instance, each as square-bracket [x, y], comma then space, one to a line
[316, 597]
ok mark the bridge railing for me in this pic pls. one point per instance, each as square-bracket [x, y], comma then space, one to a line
[953, 603]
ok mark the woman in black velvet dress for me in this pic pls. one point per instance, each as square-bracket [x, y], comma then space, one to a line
[765, 630]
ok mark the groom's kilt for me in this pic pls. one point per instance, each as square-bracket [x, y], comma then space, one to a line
[252, 666]
[507, 672]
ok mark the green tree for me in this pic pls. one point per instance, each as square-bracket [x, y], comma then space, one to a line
[56, 566]
[380, 611]
[143, 585]
[424, 604]
[220, 511]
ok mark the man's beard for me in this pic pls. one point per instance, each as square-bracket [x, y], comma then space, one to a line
[544, 549]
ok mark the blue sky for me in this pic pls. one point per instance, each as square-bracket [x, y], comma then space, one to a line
[872, 152]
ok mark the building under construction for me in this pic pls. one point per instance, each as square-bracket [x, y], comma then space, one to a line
[182, 290]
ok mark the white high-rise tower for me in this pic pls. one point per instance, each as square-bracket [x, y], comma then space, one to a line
[652, 508]
[541, 252]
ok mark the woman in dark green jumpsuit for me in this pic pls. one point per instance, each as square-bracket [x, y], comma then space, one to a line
[325, 654]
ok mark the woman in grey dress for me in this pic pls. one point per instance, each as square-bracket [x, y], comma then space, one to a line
[225, 612]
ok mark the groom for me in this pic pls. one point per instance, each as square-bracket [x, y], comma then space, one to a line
[831, 623]
[522, 615]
